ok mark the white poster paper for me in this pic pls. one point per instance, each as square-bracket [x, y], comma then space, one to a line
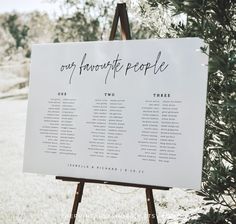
[126, 111]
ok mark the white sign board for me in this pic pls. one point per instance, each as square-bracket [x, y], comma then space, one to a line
[125, 111]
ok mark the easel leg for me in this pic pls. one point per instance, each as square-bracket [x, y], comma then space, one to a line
[151, 207]
[77, 200]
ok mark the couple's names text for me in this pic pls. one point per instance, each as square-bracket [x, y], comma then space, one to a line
[113, 67]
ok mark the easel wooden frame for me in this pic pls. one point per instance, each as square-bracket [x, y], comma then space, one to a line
[120, 13]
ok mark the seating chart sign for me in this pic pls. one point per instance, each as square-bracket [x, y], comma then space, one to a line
[126, 111]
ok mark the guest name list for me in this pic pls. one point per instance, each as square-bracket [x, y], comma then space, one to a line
[130, 111]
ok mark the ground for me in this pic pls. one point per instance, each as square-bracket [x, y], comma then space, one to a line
[32, 198]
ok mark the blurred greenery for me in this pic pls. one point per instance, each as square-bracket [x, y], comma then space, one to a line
[19, 30]
[87, 20]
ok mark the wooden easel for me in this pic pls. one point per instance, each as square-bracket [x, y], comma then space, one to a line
[121, 13]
